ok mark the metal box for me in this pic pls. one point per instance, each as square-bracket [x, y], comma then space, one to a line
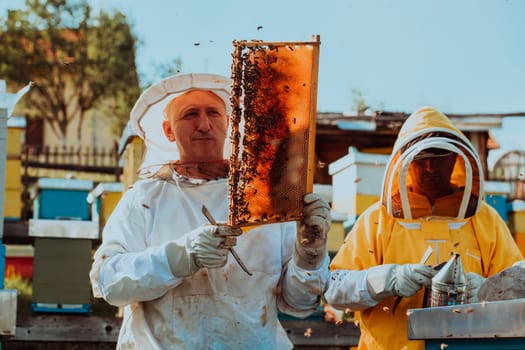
[486, 325]
[62, 199]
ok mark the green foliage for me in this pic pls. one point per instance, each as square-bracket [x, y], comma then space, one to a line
[77, 61]
[170, 68]
[358, 100]
[22, 285]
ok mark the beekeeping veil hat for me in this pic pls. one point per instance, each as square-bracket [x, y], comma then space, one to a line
[148, 113]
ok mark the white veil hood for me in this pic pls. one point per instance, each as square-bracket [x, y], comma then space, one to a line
[148, 113]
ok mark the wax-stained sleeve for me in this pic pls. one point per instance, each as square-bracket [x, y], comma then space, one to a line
[300, 290]
[497, 246]
[348, 286]
[125, 269]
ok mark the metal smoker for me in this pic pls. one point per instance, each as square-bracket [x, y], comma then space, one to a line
[449, 284]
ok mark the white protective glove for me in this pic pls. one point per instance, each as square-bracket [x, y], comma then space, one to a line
[474, 282]
[402, 280]
[310, 244]
[206, 246]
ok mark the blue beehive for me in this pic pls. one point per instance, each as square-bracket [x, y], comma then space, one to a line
[62, 199]
[498, 202]
[496, 195]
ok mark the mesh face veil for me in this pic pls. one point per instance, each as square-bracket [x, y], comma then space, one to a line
[430, 134]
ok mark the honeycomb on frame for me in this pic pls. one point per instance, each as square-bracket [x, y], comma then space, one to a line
[274, 97]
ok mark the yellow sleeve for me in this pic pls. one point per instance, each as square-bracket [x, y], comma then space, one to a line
[360, 249]
[497, 245]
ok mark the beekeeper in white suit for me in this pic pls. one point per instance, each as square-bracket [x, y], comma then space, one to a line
[170, 269]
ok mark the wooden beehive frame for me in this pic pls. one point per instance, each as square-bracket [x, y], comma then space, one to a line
[274, 106]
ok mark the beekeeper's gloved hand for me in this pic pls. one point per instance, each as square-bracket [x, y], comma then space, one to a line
[206, 246]
[310, 244]
[402, 280]
[474, 281]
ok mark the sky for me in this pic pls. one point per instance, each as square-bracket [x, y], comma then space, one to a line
[460, 56]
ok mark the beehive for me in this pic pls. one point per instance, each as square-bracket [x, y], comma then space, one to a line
[131, 151]
[517, 222]
[60, 275]
[356, 179]
[105, 197]
[337, 231]
[62, 199]
[13, 169]
[496, 195]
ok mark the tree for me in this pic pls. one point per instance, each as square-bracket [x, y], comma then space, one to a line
[77, 62]
[360, 105]
[168, 68]
[358, 101]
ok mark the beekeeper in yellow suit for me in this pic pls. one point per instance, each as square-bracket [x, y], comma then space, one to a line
[432, 195]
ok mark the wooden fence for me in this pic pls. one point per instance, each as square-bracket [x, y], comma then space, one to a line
[90, 159]
[98, 164]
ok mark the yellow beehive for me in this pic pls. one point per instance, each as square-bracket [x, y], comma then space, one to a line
[132, 156]
[105, 197]
[12, 204]
[131, 150]
[337, 233]
[363, 201]
[13, 174]
[109, 202]
[14, 141]
[13, 168]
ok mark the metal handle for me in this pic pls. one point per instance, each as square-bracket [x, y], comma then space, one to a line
[212, 221]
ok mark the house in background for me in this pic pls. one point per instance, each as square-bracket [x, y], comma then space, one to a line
[96, 133]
